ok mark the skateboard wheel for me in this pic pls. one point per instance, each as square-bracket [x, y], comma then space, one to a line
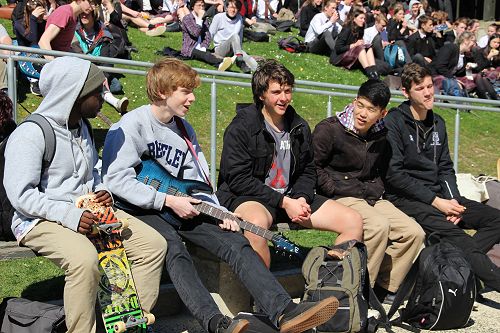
[150, 318]
[125, 224]
[120, 327]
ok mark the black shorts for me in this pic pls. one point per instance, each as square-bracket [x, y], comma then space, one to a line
[278, 214]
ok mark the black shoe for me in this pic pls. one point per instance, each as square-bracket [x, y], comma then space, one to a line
[228, 325]
[242, 65]
[373, 75]
[35, 89]
[308, 315]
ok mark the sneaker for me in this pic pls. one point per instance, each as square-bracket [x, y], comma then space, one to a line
[158, 30]
[228, 325]
[122, 105]
[35, 89]
[225, 64]
[308, 315]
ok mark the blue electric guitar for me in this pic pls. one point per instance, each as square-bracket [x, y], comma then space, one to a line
[152, 173]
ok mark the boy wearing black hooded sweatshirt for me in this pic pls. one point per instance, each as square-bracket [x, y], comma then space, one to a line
[421, 181]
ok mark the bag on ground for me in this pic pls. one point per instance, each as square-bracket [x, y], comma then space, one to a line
[25, 316]
[444, 290]
[292, 44]
[394, 56]
[341, 272]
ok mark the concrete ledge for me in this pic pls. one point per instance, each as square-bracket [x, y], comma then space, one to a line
[10, 250]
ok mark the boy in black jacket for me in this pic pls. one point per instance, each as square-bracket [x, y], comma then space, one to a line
[421, 181]
[349, 151]
[267, 167]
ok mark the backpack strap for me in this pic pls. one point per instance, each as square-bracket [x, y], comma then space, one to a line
[48, 134]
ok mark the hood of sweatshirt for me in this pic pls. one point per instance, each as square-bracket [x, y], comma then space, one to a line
[38, 193]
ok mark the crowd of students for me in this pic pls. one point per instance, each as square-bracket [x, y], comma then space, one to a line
[376, 36]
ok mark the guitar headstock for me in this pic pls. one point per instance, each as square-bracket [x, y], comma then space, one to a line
[283, 244]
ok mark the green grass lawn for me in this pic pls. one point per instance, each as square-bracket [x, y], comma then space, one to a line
[479, 137]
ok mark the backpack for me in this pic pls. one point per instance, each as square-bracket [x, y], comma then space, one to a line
[394, 56]
[451, 87]
[343, 276]
[24, 316]
[444, 290]
[6, 209]
[292, 44]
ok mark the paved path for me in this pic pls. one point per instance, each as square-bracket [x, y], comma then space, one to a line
[486, 319]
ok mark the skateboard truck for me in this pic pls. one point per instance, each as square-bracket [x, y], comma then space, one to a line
[108, 228]
[131, 321]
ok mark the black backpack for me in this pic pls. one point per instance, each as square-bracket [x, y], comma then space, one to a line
[343, 276]
[292, 44]
[444, 289]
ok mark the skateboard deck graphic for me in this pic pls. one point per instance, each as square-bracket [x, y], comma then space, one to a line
[120, 307]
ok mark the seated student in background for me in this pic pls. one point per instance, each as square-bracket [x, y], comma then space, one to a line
[158, 132]
[267, 171]
[492, 29]
[350, 153]
[420, 179]
[93, 38]
[266, 10]
[416, 11]
[308, 11]
[421, 44]
[350, 47]
[46, 219]
[323, 30]
[488, 58]
[6, 40]
[61, 26]
[227, 33]
[373, 36]
[397, 27]
[30, 26]
[459, 26]
[450, 63]
[196, 38]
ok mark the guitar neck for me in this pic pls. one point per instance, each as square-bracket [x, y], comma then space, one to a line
[220, 214]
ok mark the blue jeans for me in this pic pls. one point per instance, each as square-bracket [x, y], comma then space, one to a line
[231, 247]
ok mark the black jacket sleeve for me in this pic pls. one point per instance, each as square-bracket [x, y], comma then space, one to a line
[305, 182]
[448, 180]
[343, 44]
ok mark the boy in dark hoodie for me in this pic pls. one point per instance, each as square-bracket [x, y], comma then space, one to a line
[349, 151]
[46, 218]
[420, 179]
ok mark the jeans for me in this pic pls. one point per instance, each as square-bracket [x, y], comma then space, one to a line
[484, 219]
[231, 247]
[233, 46]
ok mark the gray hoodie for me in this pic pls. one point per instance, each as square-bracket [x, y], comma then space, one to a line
[50, 194]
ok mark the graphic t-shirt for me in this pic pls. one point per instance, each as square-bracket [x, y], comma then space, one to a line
[63, 18]
[278, 177]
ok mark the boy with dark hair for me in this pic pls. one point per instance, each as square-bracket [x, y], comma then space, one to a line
[349, 151]
[267, 170]
[46, 219]
[156, 132]
[420, 179]
[421, 44]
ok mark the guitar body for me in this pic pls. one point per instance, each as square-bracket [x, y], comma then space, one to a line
[153, 174]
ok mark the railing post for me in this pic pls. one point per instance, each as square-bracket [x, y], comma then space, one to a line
[213, 132]
[456, 141]
[11, 85]
[329, 107]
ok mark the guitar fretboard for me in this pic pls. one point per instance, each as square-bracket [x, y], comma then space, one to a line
[219, 214]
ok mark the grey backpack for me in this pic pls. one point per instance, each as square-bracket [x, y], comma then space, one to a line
[25, 316]
[343, 275]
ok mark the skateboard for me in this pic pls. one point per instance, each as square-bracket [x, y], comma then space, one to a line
[120, 306]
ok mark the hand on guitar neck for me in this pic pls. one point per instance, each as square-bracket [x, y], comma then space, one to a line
[184, 207]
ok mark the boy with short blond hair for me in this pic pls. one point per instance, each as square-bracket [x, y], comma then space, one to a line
[155, 132]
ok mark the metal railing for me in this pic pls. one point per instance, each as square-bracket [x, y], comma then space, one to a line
[212, 77]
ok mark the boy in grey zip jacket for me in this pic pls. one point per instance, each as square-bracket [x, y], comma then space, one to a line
[46, 219]
[420, 179]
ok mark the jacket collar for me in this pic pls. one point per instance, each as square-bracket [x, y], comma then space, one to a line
[255, 119]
